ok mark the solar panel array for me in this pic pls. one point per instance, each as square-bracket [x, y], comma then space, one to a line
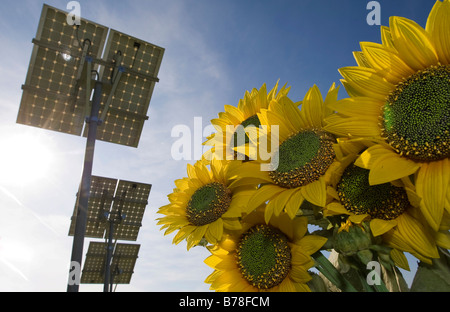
[112, 197]
[54, 94]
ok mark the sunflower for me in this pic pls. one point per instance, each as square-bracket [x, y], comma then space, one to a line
[302, 156]
[225, 141]
[203, 204]
[264, 257]
[390, 208]
[400, 97]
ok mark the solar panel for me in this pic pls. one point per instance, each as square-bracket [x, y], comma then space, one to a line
[122, 265]
[94, 266]
[123, 111]
[131, 201]
[116, 198]
[100, 199]
[56, 94]
[51, 96]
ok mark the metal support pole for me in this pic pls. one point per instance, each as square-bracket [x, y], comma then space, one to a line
[83, 194]
[109, 256]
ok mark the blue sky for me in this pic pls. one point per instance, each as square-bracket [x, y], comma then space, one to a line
[215, 51]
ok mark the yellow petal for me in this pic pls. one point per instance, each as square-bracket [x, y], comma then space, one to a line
[294, 203]
[311, 243]
[262, 195]
[367, 82]
[216, 229]
[399, 259]
[358, 218]
[299, 275]
[415, 235]
[379, 227]
[212, 261]
[386, 62]
[232, 224]
[275, 119]
[248, 170]
[268, 211]
[196, 236]
[360, 59]
[388, 166]
[438, 26]
[300, 227]
[330, 98]
[351, 91]
[354, 126]
[386, 37]
[235, 112]
[312, 107]
[443, 239]
[315, 192]
[294, 116]
[413, 43]
[357, 106]
[183, 233]
[281, 200]
[336, 208]
[374, 153]
[431, 185]
[191, 171]
[287, 286]
[203, 174]
[227, 264]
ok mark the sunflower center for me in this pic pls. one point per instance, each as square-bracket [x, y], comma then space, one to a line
[416, 115]
[208, 203]
[303, 158]
[383, 201]
[264, 256]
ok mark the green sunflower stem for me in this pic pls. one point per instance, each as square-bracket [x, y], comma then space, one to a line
[331, 273]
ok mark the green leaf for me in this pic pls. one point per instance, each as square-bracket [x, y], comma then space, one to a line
[434, 277]
[331, 273]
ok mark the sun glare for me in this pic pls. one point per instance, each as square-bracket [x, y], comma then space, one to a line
[24, 159]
